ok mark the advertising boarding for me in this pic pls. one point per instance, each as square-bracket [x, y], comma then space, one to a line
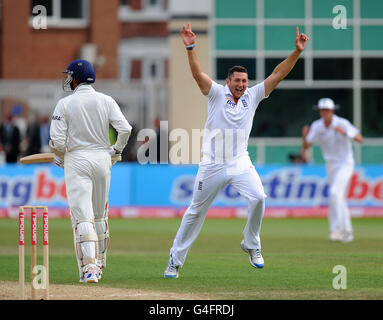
[166, 191]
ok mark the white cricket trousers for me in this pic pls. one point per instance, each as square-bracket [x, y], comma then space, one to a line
[210, 180]
[87, 179]
[339, 217]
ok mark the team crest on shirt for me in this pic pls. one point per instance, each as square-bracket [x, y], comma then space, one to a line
[244, 103]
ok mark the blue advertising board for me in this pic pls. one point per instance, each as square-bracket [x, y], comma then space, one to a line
[135, 185]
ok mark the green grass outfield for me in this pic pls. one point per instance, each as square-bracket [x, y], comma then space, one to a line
[299, 259]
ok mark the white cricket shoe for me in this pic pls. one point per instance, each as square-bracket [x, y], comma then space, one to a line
[347, 237]
[89, 274]
[335, 236]
[171, 270]
[255, 256]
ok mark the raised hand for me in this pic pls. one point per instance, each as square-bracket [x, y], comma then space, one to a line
[300, 40]
[187, 35]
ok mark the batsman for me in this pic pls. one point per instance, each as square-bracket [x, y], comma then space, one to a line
[80, 140]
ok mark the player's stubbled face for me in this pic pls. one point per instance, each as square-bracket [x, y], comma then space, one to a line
[238, 83]
[326, 114]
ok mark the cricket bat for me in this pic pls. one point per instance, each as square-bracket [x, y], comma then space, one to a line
[49, 157]
[38, 158]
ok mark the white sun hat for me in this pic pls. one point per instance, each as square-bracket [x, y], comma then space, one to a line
[327, 103]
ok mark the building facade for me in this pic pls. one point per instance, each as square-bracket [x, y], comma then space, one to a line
[125, 41]
[343, 60]
[140, 61]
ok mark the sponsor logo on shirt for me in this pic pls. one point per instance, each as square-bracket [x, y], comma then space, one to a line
[230, 103]
[57, 117]
[244, 103]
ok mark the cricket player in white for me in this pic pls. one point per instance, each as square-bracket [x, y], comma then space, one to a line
[334, 135]
[80, 139]
[225, 159]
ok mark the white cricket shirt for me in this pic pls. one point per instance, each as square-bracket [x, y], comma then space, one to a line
[336, 147]
[81, 121]
[228, 124]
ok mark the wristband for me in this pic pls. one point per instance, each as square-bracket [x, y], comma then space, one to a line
[190, 46]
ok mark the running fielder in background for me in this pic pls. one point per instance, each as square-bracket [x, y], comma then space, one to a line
[334, 135]
[80, 139]
[231, 111]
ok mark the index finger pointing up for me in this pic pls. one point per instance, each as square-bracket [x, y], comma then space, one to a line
[297, 31]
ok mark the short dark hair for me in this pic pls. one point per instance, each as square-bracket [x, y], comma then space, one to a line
[236, 69]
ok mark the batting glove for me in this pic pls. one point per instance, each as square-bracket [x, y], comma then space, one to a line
[59, 161]
[115, 155]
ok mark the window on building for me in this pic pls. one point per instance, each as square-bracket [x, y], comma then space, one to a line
[372, 68]
[278, 38]
[224, 64]
[231, 9]
[144, 10]
[135, 69]
[48, 4]
[287, 110]
[226, 37]
[153, 68]
[153, 4]
[72, 9]
[297, 73]
[333, 69]
[146, 68]
[64, 13]
[372, 112]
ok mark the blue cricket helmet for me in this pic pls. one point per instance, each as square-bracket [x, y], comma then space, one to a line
[80, 69]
